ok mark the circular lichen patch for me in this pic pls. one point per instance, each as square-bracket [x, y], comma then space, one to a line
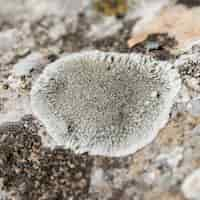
[105, 103]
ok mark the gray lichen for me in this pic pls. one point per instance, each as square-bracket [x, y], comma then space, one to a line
[105, 103]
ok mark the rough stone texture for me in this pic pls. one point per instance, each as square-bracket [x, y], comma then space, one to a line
[191, 185]
[142, 176]
[157, 45]
[157, 171]
[33, 172]
[33, 62]
[178, 21]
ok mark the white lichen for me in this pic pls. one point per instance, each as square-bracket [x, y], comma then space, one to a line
[105, 103]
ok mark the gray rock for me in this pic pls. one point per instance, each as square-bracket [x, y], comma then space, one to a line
[8, 40]
[194, 107]
[193, 83]
[106, 27]
[191, 186]
[196, 130]
[58, 8]
[57, 31]
[29, 63]
[98, 184]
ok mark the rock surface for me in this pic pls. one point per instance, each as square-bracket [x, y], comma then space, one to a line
[185, 29]
[33, 172]
[29, 170]
[32, 62]
[191, 185]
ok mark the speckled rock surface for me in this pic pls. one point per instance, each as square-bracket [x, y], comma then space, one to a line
[30, 168]
[191, 185]
[33, 172]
